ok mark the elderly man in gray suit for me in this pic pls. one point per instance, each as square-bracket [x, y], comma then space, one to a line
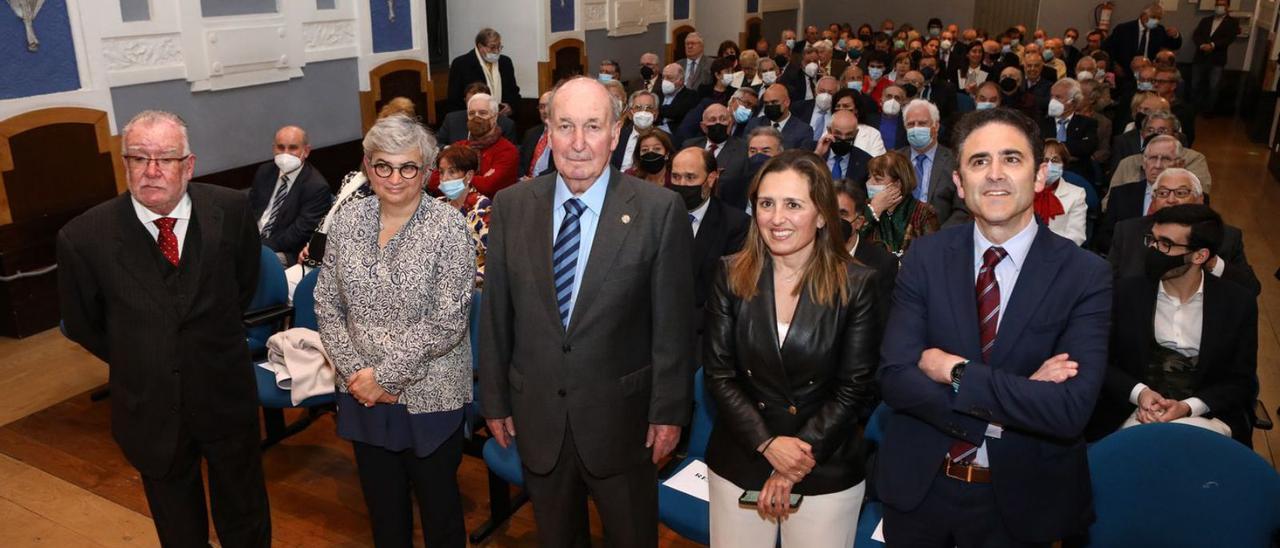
[696, 65]
[933, 163]
[586, 343]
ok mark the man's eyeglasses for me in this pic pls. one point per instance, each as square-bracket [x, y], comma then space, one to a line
[407, 171]
[1162, 245]
[142, 162]
[1160, 160]
[1180, 193]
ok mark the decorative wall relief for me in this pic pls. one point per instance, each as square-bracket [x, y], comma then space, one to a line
[328, 34]
[142, 51]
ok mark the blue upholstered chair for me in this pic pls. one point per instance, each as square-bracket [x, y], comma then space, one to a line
[270, 304]
[1179, 485]
[686, 515]
[872, 510]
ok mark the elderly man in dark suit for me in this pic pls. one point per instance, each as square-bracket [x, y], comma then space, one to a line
[1176, 186]
[776, 111]
[675, 99]
[289, 197]
[934, 164]
[1065, 123]
[718, 228]
[994, 354]
[586, 340]
[535, 149]
[486, 64]
[454, 126]
[1135, 198]
[1184, 343]
[729, 151]
[1142, 37]
[1213, 37]
[154, 282]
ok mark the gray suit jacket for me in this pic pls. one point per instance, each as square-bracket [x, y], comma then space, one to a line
[626, 359]
[703, 75]
[942, 188]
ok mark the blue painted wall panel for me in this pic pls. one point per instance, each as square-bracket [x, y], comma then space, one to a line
[391, 35]
[562, 15]
[52, 68]
[680, 9]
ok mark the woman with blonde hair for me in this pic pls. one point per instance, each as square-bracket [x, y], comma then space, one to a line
[790, 354]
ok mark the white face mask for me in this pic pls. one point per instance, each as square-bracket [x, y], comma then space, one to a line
[491, 57]
[811, 69]
[946, 45]
[642, 119]
[288, 162]
[1056, 108]
[873, 189]
[726, 79]
[1069, 41]
[668, 87]
[822, 102]
[891, 107]
[769, 77]
[1220, 10]
[1084, 75]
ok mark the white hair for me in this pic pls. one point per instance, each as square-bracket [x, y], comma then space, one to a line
[1073, 89]
[934, 115]
[493, 101]
[1196, 187]
[1177, 145]
[151, 117]
[398, 134]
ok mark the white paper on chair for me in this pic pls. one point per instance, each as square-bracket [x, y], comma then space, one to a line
[878, 534]
[691, 480]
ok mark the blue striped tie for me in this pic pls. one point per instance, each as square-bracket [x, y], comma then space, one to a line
[564, 256]
[276, 204]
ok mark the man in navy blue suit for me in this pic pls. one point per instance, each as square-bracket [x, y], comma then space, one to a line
[993, 357]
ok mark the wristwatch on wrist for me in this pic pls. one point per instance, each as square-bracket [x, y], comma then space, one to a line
[957, 371]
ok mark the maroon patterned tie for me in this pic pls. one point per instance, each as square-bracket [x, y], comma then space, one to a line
[167, 240]
[988, 293]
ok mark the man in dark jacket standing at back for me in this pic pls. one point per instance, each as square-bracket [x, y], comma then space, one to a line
[1213, 36]
[486, 64]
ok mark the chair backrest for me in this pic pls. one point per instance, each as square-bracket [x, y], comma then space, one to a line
[273, 289]
[1175, 484]
[704, 414]
[304, 301]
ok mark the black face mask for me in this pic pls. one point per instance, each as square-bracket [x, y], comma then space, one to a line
[1009, 85]
[756, 162]
[841, 147]
[1157, 264]
[692, 195]
[855, 53]
[865, 37]
[846, 229]
[928, 73]
[652, 162]
[1139, 119]
[773, 111]
[910, 90]
[781, 60]
[646, 73]
[717, 133]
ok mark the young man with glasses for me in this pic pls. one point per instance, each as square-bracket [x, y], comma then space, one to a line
[1184, 344]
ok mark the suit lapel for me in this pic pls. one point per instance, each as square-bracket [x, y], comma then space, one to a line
[764, 327]
[707, 232]
[134, 250]
[1039, 271]
[611, 232]
[960, 283]
[540, 244]
[1213, 320]
[936, 177]
[208, 223]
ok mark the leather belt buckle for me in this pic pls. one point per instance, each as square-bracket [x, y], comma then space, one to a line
[967, 473]
[791, 409]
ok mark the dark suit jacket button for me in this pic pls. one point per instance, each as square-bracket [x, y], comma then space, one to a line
[760, 405]
[561, 392]
[175, 371]
[566, 349]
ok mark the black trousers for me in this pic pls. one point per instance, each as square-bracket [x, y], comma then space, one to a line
[953, 514]
[390, 478]
[627, 503]
[237, 493]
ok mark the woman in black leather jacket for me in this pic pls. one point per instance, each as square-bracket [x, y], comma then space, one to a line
[790, 354]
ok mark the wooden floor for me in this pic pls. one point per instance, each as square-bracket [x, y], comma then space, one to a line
[63, 482]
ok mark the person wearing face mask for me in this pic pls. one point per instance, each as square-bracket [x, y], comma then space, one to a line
[763, 143]
[1137, 198]
[1142, 37]
[892, 130]
[932, 162]
[987, 96]
[535, 150]
[1061, 205]
[1212, 37]
[730, 151]
[1185, 346]
[877, 81]
[652, 159]
[895, 218]
[485, 64]
[863, 109]
[675, 100]
[1034, 100]
[1069, 127]
[818, 110]
[499, 158]
[776, 110]
[838, 149]
[748, 74]
[1133, 138]
[649, 79]
[1174, 187]
[639, 116]
[852, 199]
[802, 75]
[288, 197]
[1071, 53]
[457, 167]
[828, 63]
[936, 88]
[1054, 61]
[454, 126]
[718, 228]
[721, 87]
[768, 72]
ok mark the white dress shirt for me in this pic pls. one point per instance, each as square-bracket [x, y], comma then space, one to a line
[588, 220]
[266, 213]
[181, 212]
[698, 214]
[1006, 272]
[1178, 327]
[869, 140]
[628, 152]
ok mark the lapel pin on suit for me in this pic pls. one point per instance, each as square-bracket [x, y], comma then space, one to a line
[626, 219]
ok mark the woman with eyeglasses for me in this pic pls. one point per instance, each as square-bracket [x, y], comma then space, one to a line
[393, 302]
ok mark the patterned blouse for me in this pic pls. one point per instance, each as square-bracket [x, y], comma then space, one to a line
[402, 309]
[475, 208]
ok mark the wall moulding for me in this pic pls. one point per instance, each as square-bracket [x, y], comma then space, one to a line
[135, 52]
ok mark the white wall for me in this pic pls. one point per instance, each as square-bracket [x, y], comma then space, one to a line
[719, 20]
[523, 25]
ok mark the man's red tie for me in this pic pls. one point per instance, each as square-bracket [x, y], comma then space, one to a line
[537, 153]
[167, 240]
[711, 147]
[988, 293]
